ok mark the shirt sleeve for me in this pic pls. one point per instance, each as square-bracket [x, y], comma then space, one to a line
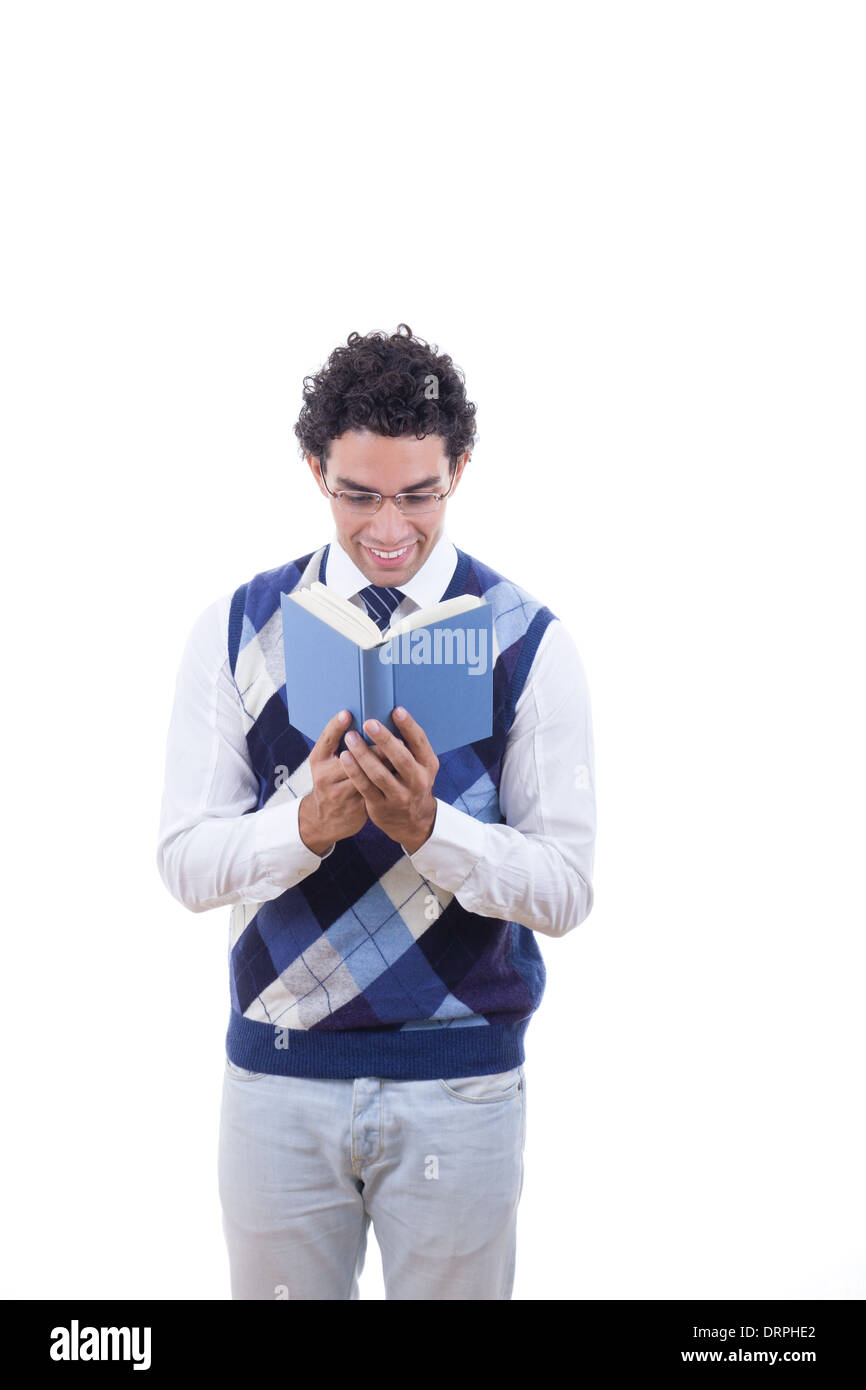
[214, 847]
[536, 868]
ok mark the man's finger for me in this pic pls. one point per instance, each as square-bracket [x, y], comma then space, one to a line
[330, 772]
[329, 738]
[392, 750]
[416, 740]
[371, 764]
[359, 777]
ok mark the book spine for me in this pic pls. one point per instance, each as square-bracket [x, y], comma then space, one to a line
[377, 686]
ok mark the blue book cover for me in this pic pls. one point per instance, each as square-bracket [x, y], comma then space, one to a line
[442, 673]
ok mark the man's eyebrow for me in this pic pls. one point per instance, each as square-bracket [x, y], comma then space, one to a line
[359, 487]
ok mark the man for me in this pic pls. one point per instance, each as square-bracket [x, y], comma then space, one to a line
[385, 901]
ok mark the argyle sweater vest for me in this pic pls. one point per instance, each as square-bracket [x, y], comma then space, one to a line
[364, 967]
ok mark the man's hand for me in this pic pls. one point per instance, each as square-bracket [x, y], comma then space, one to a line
[395, 779]
[334, 808]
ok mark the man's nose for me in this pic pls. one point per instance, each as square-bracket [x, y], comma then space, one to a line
[390, 523]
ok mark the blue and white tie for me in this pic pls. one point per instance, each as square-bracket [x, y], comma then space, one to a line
[380, 603]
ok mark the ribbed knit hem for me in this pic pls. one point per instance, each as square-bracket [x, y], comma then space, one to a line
[412, 1054]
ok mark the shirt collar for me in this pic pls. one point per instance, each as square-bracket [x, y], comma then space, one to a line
[425, 587]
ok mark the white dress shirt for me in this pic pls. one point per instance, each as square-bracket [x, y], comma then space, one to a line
[535, 869]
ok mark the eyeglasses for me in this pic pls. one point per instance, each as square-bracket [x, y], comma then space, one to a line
[368, 503]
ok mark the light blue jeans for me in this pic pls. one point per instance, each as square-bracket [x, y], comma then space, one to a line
[305, 1165]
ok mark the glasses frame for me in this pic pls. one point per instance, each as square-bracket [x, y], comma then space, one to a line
[391, 496]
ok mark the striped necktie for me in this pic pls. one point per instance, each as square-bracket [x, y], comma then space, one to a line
[380, 603]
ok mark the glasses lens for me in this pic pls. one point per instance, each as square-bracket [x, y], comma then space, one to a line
[360, 501]
[417, 502]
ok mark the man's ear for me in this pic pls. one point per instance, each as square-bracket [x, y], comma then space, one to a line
[315, 469]
[461, 466]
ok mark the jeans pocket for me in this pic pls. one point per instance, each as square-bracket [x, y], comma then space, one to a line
[484, 1090]
[241, 1073]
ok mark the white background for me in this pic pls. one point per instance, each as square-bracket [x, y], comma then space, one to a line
[639, 230]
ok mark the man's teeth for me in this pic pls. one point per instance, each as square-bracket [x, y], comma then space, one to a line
[389, 554]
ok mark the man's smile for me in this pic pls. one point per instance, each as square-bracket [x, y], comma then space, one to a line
[391, 558]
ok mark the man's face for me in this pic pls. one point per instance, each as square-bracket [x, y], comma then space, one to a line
[360, 461]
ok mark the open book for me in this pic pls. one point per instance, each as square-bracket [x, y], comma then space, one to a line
[437, 663]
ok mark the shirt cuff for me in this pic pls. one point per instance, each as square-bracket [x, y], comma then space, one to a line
[282, 856]
[452, 850]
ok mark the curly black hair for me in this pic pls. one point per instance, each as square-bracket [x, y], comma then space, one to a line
[394, 385]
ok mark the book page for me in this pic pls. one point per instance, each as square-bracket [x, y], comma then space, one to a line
[434, 613]
[359, 627]
[338, 613]
[351, 610]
